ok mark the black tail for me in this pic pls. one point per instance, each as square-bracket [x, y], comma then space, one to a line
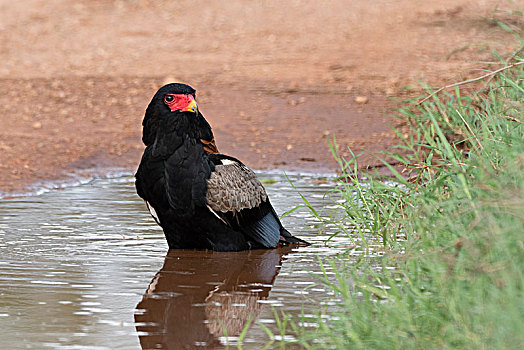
[288, 238]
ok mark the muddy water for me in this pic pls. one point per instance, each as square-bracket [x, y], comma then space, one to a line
[87, 268]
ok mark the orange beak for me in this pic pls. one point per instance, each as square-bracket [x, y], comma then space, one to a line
[191, 107]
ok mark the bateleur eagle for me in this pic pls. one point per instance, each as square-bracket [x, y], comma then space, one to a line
[202, 199]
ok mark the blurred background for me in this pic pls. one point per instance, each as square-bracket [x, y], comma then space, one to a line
[274, 79]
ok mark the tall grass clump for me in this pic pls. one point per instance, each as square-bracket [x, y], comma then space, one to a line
[452, 225]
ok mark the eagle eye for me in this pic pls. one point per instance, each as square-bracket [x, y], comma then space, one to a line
[169, 98]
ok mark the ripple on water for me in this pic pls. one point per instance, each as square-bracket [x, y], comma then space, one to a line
[76, 262]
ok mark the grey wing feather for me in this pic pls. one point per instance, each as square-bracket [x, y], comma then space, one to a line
[233, 187]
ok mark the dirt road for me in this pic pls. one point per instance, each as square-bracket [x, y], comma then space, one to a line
[274, 79]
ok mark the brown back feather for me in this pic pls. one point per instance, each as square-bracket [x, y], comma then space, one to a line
[209, 146]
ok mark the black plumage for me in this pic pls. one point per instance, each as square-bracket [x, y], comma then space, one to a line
[200, 198]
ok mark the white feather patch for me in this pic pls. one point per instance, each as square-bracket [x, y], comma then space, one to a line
[214, 212]
[153, 212]
[227, 162]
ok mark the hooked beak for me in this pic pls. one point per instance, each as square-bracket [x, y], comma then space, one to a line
[191, 107]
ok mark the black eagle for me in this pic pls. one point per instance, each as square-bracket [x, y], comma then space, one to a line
[202, 199]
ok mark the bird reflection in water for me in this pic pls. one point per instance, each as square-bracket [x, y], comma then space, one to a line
[199, 296]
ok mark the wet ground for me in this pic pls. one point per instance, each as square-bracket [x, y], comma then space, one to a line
[87, 268]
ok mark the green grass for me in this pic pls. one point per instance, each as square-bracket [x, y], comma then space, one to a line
[452, 226]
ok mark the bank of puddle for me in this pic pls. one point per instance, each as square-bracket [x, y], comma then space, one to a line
[87, 268]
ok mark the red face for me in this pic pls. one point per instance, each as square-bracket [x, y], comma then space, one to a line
[180, 102]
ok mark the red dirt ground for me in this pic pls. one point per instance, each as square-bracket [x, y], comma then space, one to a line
[274, 79]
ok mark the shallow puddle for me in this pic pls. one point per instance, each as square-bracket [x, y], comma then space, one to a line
[87, 268]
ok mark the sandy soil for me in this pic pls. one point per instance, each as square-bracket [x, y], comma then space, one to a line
[274, 79]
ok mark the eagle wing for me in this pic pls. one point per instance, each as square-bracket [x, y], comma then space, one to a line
[233, 187]
[238, 198]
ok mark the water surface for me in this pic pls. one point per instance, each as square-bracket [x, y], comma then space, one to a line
[87, 268]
